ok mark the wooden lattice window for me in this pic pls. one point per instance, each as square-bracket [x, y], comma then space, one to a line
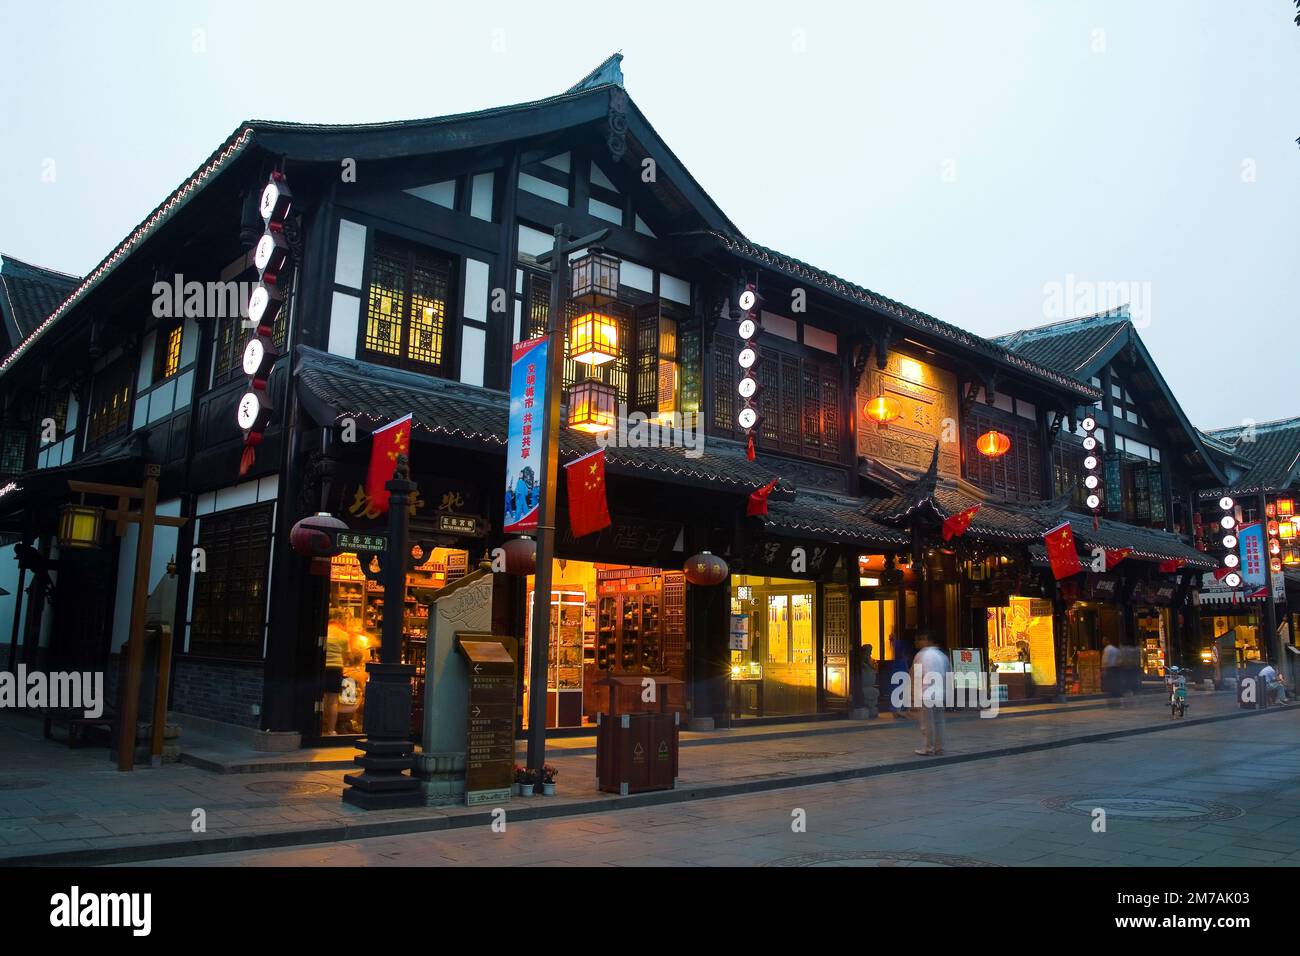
[111, 403]
[167, 351]
[406, 306]
[1013, 475]
[229, 608]
[798, 405]
[13, 452]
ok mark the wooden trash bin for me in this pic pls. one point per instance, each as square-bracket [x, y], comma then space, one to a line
[637, 741]
[636, 752]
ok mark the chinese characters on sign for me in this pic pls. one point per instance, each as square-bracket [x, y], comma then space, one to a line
[527, 397]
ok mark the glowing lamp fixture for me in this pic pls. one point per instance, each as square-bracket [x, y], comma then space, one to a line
[593, 339]
[595, 278]
[79, 527]
[1286, 529]
[882, 410]
[993, 444]
[593, 407]
[1286, 507]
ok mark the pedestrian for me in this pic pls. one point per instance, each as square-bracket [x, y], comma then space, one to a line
[870, 692]
[930, 660]
[902, 646]
[1110, 676]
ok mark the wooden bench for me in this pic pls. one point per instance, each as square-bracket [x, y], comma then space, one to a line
[78, 723]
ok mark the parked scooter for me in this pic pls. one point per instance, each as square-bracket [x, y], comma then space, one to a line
[1176, 683]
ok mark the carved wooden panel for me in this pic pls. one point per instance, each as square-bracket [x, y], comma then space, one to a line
[929, 400]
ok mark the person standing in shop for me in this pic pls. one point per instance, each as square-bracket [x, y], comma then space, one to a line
[337, 640]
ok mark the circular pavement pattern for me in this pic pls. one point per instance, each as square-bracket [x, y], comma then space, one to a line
[1155, 809]
[789, 756]
[878, 858]
[286, 786]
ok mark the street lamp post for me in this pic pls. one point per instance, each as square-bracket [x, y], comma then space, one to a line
[558, 259]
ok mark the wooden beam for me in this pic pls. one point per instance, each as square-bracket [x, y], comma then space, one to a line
[133, 517]
[112, 491]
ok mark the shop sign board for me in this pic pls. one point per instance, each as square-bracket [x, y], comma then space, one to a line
[967, 665]
[361, 542]
[464, 525]
[739, 637]
[523, 491]
[490, 724]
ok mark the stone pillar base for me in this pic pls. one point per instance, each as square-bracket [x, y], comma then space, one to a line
[859, 713]
[442, 778]
[700, 724]
[277, 741]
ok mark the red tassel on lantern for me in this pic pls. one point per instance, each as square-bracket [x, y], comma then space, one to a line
[749, 449]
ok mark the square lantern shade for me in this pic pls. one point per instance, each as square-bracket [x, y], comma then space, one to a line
[79, 526]
[593, 338]
[1286, 529]
[1286, 507]
[595, 279]
[593, 407]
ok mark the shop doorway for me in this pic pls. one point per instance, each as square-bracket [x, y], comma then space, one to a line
[773, 647]
[606, 619]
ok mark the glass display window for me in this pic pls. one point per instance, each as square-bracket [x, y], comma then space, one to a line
[773, 646]
[354, 632]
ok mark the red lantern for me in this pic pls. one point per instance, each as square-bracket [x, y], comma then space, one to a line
[705, 569]
[993, 444]
[313, 536]
[521, 556]
[883, 409]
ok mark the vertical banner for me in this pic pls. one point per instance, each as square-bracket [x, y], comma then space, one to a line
[1251, 547]
[524, 447]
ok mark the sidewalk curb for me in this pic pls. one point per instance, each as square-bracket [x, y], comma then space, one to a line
[837, 726]
[339, 833]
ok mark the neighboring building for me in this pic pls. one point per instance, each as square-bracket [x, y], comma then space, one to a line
[1262, 465]
[414, 249]
[1153, 463]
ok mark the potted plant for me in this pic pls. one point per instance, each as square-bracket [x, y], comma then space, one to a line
[549, 774]
[526, 780]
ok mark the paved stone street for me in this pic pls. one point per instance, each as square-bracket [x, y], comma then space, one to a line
[1220, 794]
[60, 805]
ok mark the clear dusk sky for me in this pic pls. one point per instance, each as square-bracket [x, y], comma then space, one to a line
[960, 157]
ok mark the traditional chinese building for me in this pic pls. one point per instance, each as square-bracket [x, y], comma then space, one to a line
[414, 259]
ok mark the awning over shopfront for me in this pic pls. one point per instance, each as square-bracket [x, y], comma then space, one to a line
[40, 491]
[450, 413]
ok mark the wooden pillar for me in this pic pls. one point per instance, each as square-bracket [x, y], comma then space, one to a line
[135, 636]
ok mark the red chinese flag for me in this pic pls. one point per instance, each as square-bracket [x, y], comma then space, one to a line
[1172, 565]
[588, 511]
[385, 445]
[1061, 551]
[758, 499]
[955, 526]
[1115, 555]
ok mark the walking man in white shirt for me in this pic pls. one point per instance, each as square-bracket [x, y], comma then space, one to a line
[930, 660]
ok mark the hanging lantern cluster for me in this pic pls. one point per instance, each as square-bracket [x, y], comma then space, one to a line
[993, 444]
[751, 313]
[593, 341]
[1091, 467]
[271, 258]
[1231, 572]
[1274, 528]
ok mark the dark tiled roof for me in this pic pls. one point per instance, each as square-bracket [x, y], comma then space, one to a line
[453, 413]
[917, 320]
[1072, 346]
[1273, 448]
[28, 294]
[836, 517]
[1026, 523]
